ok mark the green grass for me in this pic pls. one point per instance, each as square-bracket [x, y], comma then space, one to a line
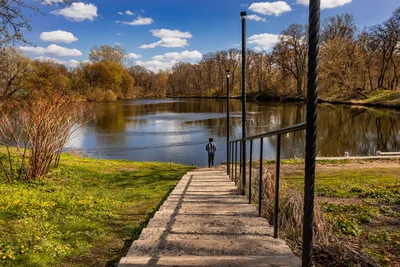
[379, 183]
[84, 213]
[385, 98]
[360, 200]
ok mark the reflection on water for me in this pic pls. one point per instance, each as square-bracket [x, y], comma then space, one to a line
[178, 130]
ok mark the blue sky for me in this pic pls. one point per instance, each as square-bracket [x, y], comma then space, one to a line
[197, 27]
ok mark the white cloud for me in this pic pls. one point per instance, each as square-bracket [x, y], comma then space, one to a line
[265, 41]
[78, 12]
[169, 38]
[58, 37]
[156, 65]
[165, 33]
[167, 42]
[244, 5]
[52, 50]
[49, 2]
[256, 18]
[139, 21]
[271, 8]
[72, 63]
[142, 11]
[185, 55]
[119, 33]
[133, 55]
[326, 3]
[118, 44]
[120, 13]
[129, 13]
[167, 60]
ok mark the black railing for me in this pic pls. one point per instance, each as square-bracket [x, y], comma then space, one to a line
[233, 145]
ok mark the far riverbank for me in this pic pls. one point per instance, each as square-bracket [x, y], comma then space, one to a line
[378, 98]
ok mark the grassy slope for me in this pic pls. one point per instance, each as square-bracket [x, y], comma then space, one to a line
[382, 98]
[362, 202]
[85, 213]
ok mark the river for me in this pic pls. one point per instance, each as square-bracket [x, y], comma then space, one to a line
[178, 129]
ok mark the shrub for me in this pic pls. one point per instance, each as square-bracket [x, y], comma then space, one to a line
[291, 202]
[110, 96]
[39, 127]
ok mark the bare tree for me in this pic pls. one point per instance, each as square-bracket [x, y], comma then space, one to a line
[291, 53]
[14, 68]
[14, 19]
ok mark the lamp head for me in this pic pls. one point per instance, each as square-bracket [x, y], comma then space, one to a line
[228, 74]
[243, 14]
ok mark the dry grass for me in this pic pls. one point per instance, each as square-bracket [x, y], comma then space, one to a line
[290, 217]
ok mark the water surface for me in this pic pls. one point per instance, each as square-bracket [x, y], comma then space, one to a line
[178, 130]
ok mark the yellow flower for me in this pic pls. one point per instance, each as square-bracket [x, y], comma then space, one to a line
[4, 257]
[22, 246]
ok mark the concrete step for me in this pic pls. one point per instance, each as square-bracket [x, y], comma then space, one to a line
[207, 193]
[205, 208]
[194, 202]
[205, 233]
[205, 222]
[211, 221]
[204, 190]
[221, 197]
[207, 184]
[199, 202]
[208, 180]
[209, 175]
[221, 247]
[205, 187]
[214, 261]
[199, 171]
[203, 214]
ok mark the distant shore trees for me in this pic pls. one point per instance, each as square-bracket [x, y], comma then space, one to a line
[353, 63]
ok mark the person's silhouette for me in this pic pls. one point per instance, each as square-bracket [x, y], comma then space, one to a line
[211, 147]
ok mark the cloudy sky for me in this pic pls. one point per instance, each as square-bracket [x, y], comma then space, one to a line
[158, 33]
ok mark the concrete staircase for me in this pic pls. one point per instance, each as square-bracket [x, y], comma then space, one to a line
[205, 222]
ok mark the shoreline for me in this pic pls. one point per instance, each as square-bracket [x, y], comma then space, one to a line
[265, 98]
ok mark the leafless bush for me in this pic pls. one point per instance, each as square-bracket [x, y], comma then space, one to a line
[46, 123]
[291, 202]
[12, 159]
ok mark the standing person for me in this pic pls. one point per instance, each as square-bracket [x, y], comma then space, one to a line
[211, 147]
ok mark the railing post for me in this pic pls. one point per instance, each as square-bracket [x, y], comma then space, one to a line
[243, 15]
[236, 151]
[228, 75]
[261, 173]
[232, 159]
[240, 160]
[277, 176]
[250, 168]
[311, 130]
[228, 159]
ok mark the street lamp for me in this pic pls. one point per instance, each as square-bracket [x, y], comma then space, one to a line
[243, 15]
[228, 167]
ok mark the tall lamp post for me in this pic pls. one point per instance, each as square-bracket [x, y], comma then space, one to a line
[243, 15]
[228, 76]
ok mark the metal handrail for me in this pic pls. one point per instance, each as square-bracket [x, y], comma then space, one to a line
[293, 128]
[232, 159]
